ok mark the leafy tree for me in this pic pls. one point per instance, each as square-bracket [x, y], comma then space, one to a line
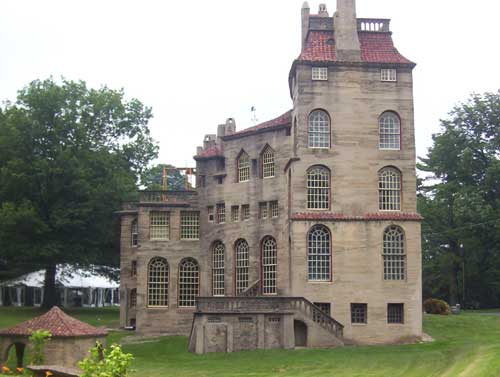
[460, 201]
[152, 179]
[69, 156]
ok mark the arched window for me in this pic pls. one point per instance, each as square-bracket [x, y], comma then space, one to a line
[319, 254]
[158, 282]
[218, 252]
[242, 265]
[268, 163]
[269, 266]
[394, 254]
[243, 168]
[134, 233]
[318, 188]
[389, 189]
[189, 283]
[319, 129]
[390, 131]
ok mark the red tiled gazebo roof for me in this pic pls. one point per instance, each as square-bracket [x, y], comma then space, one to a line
[58, 323]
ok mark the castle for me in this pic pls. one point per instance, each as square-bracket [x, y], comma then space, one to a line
[301, 231]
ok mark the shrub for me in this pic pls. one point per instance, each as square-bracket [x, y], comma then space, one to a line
[38, 340]
[111, 362]
[436, 306]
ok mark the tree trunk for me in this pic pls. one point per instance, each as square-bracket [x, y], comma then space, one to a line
[50, 297]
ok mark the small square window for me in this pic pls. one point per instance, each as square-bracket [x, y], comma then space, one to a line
[245, 212]
[235, 214]
[395, 313]
[359, 313]
[275, 210]
[324, 307]
[263, 210]
[320, 73]
[388, 75]
[210, 211]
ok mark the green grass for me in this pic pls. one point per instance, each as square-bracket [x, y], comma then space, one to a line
[467, 345]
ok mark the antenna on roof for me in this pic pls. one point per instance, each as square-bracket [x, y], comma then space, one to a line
[254, 119]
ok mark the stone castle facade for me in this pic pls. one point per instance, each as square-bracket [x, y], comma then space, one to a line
[301, 230]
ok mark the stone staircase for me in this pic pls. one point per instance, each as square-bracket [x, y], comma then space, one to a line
[250, 321]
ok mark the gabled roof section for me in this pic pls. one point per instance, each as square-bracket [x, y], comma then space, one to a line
[376, 47]
[283, 121]
[58, 323]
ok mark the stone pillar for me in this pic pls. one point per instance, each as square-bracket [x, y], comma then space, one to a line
[346, 31]
[288, 332]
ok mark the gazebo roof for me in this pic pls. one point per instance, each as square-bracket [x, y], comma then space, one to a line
[58, 323]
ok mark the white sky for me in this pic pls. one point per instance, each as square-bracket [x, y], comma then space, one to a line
[199, 62]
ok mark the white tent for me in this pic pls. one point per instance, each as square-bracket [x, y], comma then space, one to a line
[77, 287]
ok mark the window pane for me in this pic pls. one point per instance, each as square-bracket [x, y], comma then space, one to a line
[190, 225]
[319, 129]
[269, 266]
[318, 188]
[242, 266]
[268, 163]
[243, 168]
[158, 282]
[359, 313]
[390, 131]
[188, 283]
[319, 254]
[389, 190]
[159, 226]
[394, 254]
[395, 313]
[218, 263]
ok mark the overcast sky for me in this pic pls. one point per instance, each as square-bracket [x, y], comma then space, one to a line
[199, 62]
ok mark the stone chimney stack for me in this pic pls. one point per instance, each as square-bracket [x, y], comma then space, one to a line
[305, 22]
[346, 31]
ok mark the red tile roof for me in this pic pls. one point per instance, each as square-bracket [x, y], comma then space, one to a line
[313, 216]
[281, 121]
[376, 47]
[58, 323]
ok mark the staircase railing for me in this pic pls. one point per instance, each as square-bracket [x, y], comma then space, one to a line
[264, 304]
[253, 290]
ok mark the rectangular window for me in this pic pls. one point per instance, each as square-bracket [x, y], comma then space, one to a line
[159, 225]
[235, 214]
[324, 307]
[133, 268]
[210, 211]
[359, 313]
[388, 75]
[275, 209]
[263, 210]
[221, 213]
[133, 298]
[245, 212]
[135, 233]
[395, 313]
[320, 73]
[190, 225]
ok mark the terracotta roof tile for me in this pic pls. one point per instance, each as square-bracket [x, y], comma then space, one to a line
[376, 47]
[210, 152]
[58, 323]
[306, 216]
[283, 120]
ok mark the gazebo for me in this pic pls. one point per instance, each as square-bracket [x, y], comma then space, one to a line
[71, 339]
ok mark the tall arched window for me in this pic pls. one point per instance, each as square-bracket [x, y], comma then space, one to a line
[269, 265]
[243, 168]
[318, 188]
[134, 233]
[158, 282]
[218, 264]
[242, 265]
[389, 131]
[319, 254]
[319, 129]
[189, 283]
[389, 189]
[268, 163]
[394, 254]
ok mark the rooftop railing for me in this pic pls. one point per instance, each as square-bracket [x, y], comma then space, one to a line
[380, 25]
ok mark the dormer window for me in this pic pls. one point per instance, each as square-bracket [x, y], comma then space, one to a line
[319, 73]
[388, 75]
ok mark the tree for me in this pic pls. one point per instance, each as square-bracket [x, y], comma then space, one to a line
[460, 203]
[152, 179]
[69, 156]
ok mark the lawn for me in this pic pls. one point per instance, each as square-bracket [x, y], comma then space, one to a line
[467, 345]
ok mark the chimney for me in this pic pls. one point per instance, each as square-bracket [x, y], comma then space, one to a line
[305, 22]
[346, 31]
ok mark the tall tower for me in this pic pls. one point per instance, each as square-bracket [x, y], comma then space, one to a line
[354, 230]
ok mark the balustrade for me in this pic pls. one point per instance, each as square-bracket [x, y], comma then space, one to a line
[380, 25]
